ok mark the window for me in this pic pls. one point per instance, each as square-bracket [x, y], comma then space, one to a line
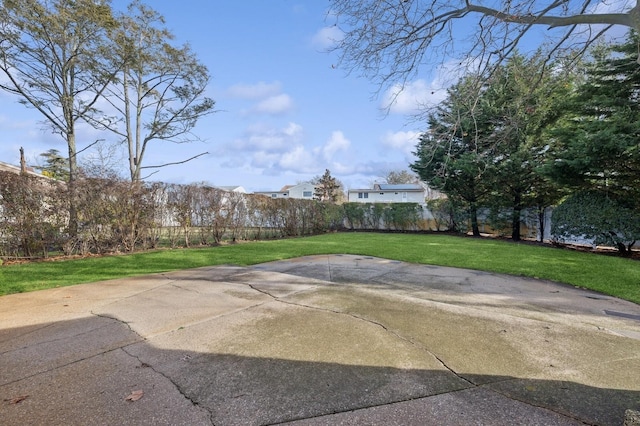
[285, 194]
[363, 195]
[306, 193]
[274, 195]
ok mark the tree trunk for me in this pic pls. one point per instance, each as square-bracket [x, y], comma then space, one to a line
[541, 222]
[625, 250]
[72, 187]
[473, 212]
[515, 219]
[515, 225]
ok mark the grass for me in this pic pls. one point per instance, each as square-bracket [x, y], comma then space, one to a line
[605, 274]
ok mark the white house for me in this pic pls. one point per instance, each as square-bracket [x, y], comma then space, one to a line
[387, 193]
[304, 191]
[234, 188]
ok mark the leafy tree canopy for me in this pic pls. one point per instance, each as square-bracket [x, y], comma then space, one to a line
[595, 145]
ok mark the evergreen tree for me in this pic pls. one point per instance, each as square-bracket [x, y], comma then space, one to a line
[485, 142]
[452, 156]
[56, 166]
[521, 99]
[327, 188]
[595, 145]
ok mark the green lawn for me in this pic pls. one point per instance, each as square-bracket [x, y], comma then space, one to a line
[606, 274]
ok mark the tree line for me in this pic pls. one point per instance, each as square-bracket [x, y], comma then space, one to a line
[534, 134]
[116, 215]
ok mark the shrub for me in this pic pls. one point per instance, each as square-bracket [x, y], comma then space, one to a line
[596, 215]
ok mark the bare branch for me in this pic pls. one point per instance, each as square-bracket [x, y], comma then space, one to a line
[394, 41]
[556, 21]
[177, 162]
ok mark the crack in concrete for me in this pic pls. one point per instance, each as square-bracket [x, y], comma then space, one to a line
[366, 407]
[35, 330]
[61, 366]
[54, 340]
[421, 347]
[530, 403]
[155, 370]
[369, 321]
[119, 299]
[181, 391]
[77, 360]
[121, 322]
[176, 284]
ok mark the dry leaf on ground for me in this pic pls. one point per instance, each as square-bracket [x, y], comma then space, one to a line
[135, 395]
[17, 399]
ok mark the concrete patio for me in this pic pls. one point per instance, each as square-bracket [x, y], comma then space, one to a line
[319, 340]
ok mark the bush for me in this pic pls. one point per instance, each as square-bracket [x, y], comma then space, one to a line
[402, 216]
[597, 216]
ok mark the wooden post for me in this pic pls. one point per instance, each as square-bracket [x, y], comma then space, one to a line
[23, 164]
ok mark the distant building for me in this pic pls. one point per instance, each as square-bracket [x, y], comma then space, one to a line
[6, 167]
[302, 191]
[236, 188]
[388, 193]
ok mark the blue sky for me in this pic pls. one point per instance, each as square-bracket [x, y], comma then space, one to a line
[285, 112]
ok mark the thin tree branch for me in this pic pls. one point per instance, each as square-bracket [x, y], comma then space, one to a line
[177, 162]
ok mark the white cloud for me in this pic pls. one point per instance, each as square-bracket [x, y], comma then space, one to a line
[264, 138]
[281, 151]
[404, 142]
[293, 129]
[268, 96]
[268, 149]
[263, 160]
[327, 37]
[298, 160]
[259, 90]
[417, 96]
[337, 142]
[275, 105]
[413, 97]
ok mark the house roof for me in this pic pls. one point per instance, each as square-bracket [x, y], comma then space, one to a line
[6, 167]
[405, 187]
[233, 188]
[399, 187]
[285, 188]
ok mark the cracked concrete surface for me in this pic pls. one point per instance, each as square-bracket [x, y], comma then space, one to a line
[319, 340]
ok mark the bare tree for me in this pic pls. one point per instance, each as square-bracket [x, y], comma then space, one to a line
[159, 93]
[391, 40]
[395, 177]
[52, 55]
